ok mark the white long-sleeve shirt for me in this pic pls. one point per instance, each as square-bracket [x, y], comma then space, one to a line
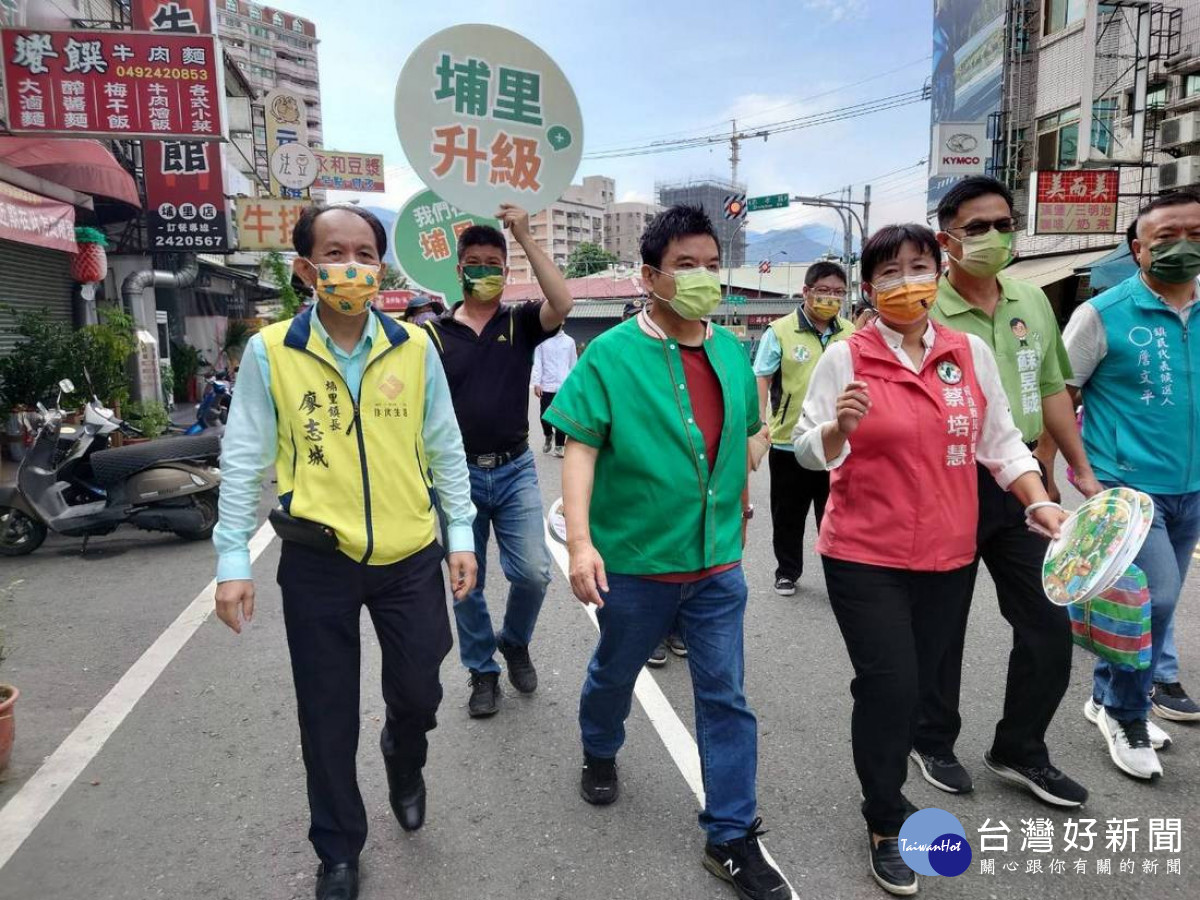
[1000, 446]
[553, 361]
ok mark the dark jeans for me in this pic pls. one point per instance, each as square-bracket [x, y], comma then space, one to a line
[560, 439]
[323, 596]
[793, 489]
[1039, 664]
[898, 627]
[709, 614]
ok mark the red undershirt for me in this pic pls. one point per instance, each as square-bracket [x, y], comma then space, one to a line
[708, 409]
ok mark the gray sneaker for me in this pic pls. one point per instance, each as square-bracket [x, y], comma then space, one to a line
[658, 658]
[1129, 746]
[1170, 701]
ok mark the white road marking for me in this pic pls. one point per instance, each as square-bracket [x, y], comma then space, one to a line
[37, 796]
[671, 730]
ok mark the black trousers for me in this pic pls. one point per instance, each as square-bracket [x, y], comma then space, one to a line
[793, 489]
[898, 627]
[560, 439]
[1039, 665]
[323, 596]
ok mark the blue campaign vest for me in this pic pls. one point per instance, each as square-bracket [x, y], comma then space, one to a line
[1140, 422]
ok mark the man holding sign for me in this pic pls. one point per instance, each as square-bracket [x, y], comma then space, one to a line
[487, 349]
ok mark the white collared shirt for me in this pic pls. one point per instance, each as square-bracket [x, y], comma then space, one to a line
[553, 361]
[1000, 446]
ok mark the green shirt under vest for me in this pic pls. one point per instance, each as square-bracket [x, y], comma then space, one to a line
[1024, 335]
[655, 508]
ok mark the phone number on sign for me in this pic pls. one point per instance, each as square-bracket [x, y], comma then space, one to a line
[161, 73]
[190, 240]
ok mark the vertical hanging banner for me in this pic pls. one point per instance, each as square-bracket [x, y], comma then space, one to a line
[486, 117]
[186, 208]
[287, 123]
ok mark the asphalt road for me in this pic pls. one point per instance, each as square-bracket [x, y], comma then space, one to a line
[199, 792]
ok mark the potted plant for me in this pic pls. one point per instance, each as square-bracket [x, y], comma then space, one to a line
[186, 363]
[8, 702]
[147, 416]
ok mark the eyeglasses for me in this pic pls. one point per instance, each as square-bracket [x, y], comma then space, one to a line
[835, 294]
[979, 229]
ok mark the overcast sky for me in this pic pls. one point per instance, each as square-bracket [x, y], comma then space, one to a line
[648, 70]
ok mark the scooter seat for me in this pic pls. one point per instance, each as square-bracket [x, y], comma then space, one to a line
[113, 466]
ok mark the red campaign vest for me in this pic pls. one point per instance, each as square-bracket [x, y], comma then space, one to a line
[906, 496]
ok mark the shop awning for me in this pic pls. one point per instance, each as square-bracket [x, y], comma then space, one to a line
[82, 165]
[1044, 270]
[29, 218]
[1112, 269]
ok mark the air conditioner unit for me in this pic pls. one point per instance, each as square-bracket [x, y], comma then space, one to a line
[1179, 130]
[1182, 172]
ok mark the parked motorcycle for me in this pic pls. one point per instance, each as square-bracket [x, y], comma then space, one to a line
[213, 409]
[70, 482]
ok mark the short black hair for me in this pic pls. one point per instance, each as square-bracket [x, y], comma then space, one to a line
[302, 233]
[481, 236]
[676, 222]
[823, 269]
[1175, 198]
[884, 245]
[1014, 322]
[1131, 234]
[966, 190]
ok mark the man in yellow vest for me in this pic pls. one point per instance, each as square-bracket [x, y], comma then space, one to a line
[789, 352]
[354, 411]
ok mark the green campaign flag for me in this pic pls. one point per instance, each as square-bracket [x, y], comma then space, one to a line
[425, 241]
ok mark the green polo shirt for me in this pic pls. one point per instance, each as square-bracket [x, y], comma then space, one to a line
[655, 508]
[1030, 353]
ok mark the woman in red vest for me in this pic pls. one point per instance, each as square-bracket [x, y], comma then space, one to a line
[900, 413]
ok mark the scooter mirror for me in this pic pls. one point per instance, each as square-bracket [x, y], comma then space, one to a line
[67, 386]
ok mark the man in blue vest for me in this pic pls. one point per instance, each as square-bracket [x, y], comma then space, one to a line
[1136, 361]
[355, 413]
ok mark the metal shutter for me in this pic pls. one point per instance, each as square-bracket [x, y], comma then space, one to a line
[32, 278]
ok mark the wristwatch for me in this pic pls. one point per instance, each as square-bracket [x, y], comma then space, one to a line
[748, 512]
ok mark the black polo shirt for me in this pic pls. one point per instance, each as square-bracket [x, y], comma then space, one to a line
[489, 374]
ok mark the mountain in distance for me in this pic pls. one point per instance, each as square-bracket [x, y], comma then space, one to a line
[803, 244]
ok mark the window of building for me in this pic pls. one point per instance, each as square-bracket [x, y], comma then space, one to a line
[260, 32]
[1191, 85]
[1104, 117]
[231, 5]
[1058, 14]
[297, 26]
[1156, 96]
[1058, 140]
[277, 19]
[256, 13]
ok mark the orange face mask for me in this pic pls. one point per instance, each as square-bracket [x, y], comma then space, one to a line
[906, 299]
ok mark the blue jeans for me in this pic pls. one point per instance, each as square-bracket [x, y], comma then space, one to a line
[507, 501]
[636, 615]
[1167, 670]
[1164, 558]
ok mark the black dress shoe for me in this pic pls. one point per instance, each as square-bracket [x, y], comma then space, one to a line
[889, 869]
[407, 796]
[339, 882]
[485, 694]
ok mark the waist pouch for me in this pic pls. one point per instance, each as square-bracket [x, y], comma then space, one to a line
[313, 535]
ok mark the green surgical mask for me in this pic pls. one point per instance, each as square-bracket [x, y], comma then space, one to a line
[697, 293]
[986, 255]
[484, 283]
[1177, 262]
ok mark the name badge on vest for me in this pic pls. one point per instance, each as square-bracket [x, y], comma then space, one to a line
[949, 372]
[801, 354]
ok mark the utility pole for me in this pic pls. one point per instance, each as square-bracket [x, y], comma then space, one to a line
[866, 219]
[734, 148]
[849, 216]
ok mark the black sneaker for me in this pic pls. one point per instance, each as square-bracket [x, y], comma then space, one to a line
[943, 771]
[521, 672]
[1170, 701]
[598, 783]
[485, 694]
[658, 658]
[741, 863]
[546, 446]
[888, 867]
[676, 645]
[785, 587]
[1046, 783]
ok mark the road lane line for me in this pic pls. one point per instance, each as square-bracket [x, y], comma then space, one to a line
[671, 731]
[37, 796]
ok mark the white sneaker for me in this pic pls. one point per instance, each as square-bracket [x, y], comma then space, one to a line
[1129, 746]
[1159, 739]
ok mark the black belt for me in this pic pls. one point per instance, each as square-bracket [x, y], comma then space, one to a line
[495, 460]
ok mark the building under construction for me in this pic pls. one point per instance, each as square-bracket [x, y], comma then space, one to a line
[710, 194]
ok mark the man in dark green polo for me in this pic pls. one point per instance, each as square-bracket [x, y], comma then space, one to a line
[658, 413]
[1016, 320]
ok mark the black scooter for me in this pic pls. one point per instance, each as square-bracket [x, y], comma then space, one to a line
[69, 483]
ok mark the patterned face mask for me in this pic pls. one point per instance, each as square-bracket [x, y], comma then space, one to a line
[484, 283]
[347, 288]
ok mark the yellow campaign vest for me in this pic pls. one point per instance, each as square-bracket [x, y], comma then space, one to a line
[358, 467]
[801, 350]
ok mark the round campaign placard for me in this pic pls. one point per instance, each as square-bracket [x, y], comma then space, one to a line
[486, 117]
[1079, 564]
[425, 241]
